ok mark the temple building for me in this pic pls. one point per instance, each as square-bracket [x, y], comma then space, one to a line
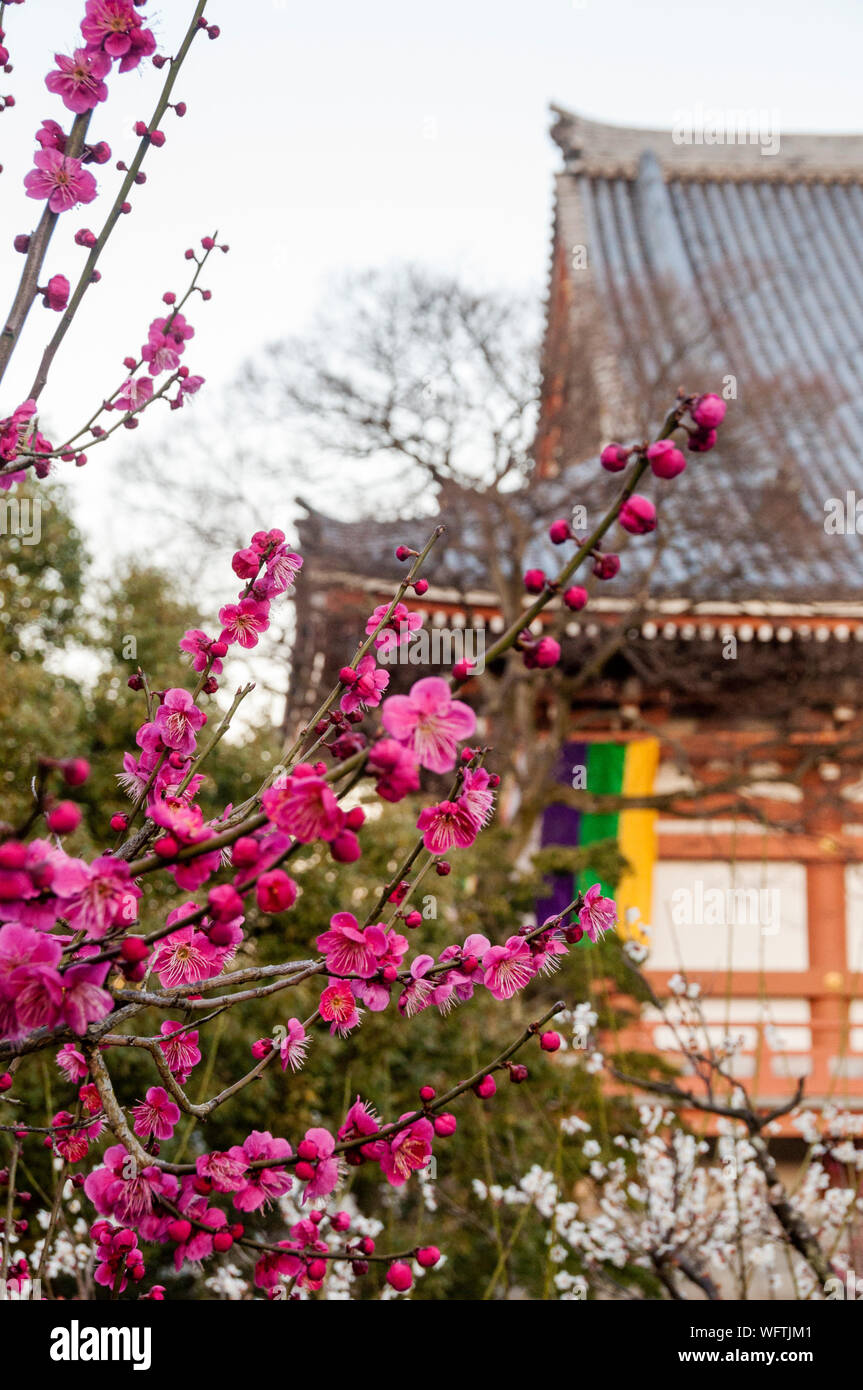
[712, 719]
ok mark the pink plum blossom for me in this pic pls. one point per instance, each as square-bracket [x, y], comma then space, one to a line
[396, 769]
[79, 79]
[72, 1063]
[60, 180]
[123, 1190]
[351, 949]
[426, 988]
[116, 27]
[243, 622]
[448, 825]
[429, 722]
[361, 1120]
[293, 1046]
[407, 1152]
[338, 1007]
[597, 915]
[198, 645]
[83, 1001]
[282, 568]
[507, 968]
[475, 795]
[185, 957]
[180, 1049]
[156, 1115]
[178, 720]
[399, 628]
[134, 393]
[21, 950]
[261, 1185]
[225, 1171]
[98, 896]
[305, 806]
[367, 690]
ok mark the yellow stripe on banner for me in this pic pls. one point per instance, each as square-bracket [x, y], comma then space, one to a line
[637, 840]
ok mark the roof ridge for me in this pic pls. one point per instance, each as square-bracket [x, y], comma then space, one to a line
[708, 142]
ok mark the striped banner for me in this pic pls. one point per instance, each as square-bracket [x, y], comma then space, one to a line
[606, 769]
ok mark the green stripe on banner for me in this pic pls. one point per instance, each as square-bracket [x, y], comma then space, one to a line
[604, 778]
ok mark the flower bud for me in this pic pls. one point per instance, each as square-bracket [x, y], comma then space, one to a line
[345, 848]
[665, 459]
[245, 852]
[134, 949]
[75, 771]
[708, 411]
[701, 441]
[13, 855]
[220, 934]
[399, 1277]
[275, 891]
[614, 457]
[225, 903]
[575, 598]
[63, 818]
[606, 566]
[544, 653]
[637, 515]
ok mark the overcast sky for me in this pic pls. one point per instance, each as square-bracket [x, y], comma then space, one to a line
[325, 136]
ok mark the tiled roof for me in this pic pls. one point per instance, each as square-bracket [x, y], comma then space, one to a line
[757, 258]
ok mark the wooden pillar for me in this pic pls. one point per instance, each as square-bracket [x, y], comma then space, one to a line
[825, 919]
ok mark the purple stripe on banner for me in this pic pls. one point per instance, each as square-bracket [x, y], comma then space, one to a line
[560, 826]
